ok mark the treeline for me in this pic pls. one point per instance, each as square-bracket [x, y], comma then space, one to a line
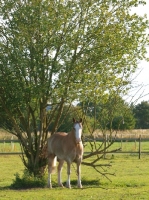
[141, 115]
[113, 114]
[121, 116]
[117, 115]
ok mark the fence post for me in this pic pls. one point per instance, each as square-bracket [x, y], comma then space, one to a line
[139, 146]
[121, 142]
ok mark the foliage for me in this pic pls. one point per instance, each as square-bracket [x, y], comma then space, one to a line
[123, 117]
[57, 52]
[4, 120]
[124, 123]
[113, 113]
[141, 112]
[28, 181]
[68, 113]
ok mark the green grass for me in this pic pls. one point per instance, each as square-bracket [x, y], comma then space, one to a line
[10, 147]
[131, 181]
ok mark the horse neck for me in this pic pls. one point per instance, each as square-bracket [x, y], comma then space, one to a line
[71, 135]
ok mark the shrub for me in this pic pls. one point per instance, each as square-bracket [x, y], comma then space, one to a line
[28, 181]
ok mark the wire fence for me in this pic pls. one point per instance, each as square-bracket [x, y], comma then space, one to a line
[130, 145]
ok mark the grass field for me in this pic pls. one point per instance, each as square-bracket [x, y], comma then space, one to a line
[131, 181]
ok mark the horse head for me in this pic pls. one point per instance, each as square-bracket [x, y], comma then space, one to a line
[77, 126]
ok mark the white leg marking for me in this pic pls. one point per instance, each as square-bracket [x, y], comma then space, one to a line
[79, 175]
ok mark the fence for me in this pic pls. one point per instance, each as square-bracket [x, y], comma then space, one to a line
[123, 140]
[128, 140]
[8, 146]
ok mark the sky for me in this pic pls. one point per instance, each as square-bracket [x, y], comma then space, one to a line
[141, 81]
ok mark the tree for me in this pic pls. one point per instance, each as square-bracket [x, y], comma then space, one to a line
[114, 113]
[125, 122]
[123, 118]
[65, 124]
[56, 52]
[141, 112]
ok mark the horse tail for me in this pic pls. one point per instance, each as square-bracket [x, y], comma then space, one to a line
[54, 164]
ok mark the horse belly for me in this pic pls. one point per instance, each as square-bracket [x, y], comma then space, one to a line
[65, 154]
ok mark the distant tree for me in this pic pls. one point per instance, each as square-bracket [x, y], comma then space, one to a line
[114, 113]
[123, 118]
[125, 122]
[141, 113]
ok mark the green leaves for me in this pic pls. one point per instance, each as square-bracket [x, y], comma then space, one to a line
[68, 49]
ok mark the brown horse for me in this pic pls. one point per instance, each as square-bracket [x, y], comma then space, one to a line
[65, 147]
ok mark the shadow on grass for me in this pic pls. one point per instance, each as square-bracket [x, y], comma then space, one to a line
[85, 183]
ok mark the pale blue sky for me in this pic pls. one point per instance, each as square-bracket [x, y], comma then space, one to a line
[142, 80]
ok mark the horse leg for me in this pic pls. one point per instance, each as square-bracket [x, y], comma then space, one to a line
[68, 173]
[51, 165]
[79, 173]
[59, 168]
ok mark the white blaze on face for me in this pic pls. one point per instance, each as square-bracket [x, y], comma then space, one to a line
[78, 132]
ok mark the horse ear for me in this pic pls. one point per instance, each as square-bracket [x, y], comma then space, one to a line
[74, 120]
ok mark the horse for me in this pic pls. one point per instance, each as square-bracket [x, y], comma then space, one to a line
[65, 147]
